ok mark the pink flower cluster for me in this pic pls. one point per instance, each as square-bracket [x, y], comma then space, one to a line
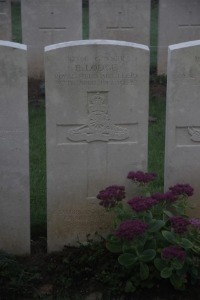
[182, 189]
[129, 229]
[171, 252]
[165, 196]
[141, 177]
[141, 203]
[195, 222]
[179, 224]
[111, 195]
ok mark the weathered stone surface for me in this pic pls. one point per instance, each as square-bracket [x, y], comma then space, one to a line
[46, 22]
[14, 150]
[179, 21]
[182, 163]
[5, 20]
[126, 20]
[97, 120]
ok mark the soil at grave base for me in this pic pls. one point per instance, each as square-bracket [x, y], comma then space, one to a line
[157, 90]
[35, 91]
[52, 270]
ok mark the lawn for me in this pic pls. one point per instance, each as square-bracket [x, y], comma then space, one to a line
[37, 128]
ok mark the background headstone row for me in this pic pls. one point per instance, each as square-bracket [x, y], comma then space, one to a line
[97, 130]
[46, 22]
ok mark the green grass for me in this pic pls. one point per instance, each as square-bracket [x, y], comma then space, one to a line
[85, 22]
[37, 132]
[157, 141]
[16, 23]
[153, 39]
[37, 169]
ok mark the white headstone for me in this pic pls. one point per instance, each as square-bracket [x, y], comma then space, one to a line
[97, 126]
[182, 163]
[5, 20]
[14, 150]
[179, 21]
[46, 22]
[126, 20]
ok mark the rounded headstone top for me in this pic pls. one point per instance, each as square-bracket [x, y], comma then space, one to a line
[96, 42]
[13, 45]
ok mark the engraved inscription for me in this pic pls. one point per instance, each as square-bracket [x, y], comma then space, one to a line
[107, 58]
[99, 126]
[104, 70]
[189, 76]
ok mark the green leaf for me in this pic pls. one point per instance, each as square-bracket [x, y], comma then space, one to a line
[148, 216]
[129, 288]
[144, 271]
[129, 247]
[177, 281]
[151, 244]
[140, 242]
[114, 245]
[177, 264]
[180, 210]
[147, 255]
[159, 263]
[185, 243]
[169, 236]
[155, 225]
[166, 272]
[195, 272]
[127, 259]
[168, 213]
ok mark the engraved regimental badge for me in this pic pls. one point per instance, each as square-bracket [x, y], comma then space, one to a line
[99, 126]
[194, 133]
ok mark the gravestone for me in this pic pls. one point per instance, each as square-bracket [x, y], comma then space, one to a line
[182, 163]
[5, 20]
[46, 22]
[14, 150]
[97, 124]
[126, 20]
[179, 21]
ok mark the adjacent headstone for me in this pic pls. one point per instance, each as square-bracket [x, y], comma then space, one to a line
[5, 20]
[97, 124]
[179, 21]
[46, 22]
[182, 163]
[126, 20]
[14, 150]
